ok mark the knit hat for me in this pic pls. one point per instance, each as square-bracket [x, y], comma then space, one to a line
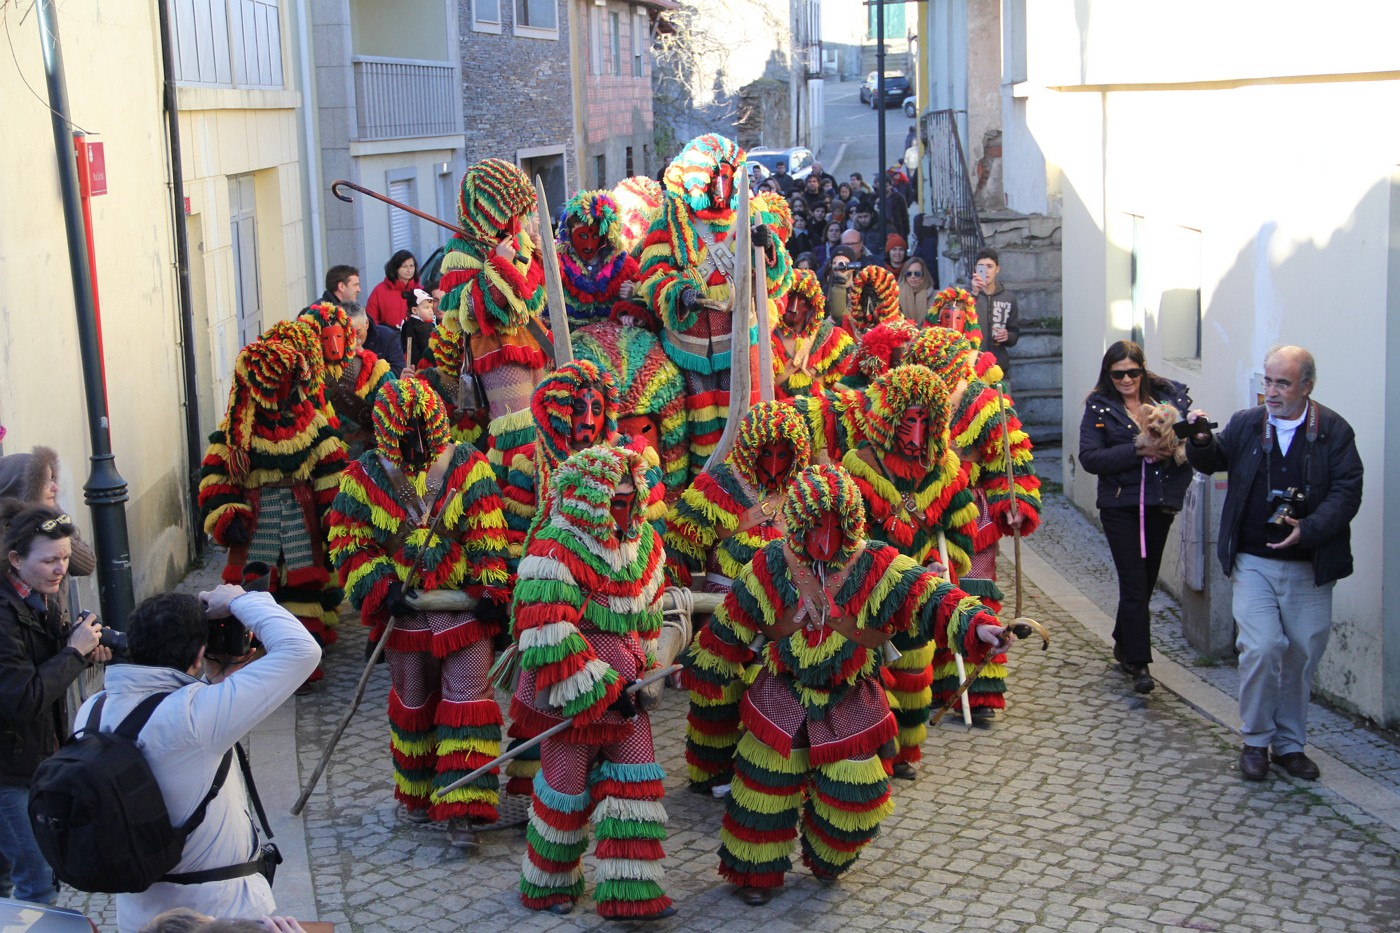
[893, 240]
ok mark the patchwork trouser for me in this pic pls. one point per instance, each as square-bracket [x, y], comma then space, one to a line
[840, 804]
[300, 581]
[443, 718]
[618, 786]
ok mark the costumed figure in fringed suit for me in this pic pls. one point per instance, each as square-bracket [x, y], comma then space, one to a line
[638, 203]
[975, 430]
[587, 614]
[914, 487]
[271, 471]
[816, 610]
[956, 309]
[731, 511]
[422, 503]
[880, 349]
[486, 360]
[598, 274]
[353, 376]
[808, 348]
[651, 394]
[874, 300]
[688, 269]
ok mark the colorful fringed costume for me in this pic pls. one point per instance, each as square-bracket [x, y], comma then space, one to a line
[976, 433]
[874, 299]
[271, 471]
[880, 349]
[816, 724]
[432, 504]
[730, 511]
[814, 350]
[956, 309]
[587, 613]
[638, 203]
[595, 270]
[941, 348]
[911, 500]
[495, 295]
[651, 394]
[688, 257]
[353, 378]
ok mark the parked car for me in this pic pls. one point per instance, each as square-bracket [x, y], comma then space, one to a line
[911, 107]
[897, 88]
[798, 160]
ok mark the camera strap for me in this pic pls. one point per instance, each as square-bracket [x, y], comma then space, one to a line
[1310, 419]
[254, 865]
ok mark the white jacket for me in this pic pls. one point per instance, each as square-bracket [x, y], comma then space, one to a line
[184, 741]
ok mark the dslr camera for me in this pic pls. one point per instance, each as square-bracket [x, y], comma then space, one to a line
[229, 641]
[1286, 503]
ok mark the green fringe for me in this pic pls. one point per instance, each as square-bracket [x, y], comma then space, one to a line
[533, 659]
[587, 700]
[847, 792]
[627, 889]
[614, 828]
[574, 890]
[556, 851]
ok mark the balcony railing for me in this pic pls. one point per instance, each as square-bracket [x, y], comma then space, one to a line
[950, 188]
[397, 98]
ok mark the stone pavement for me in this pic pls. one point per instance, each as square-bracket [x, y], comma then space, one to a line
[1085, 808]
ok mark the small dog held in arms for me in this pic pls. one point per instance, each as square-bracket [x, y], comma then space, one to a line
[1155, 437]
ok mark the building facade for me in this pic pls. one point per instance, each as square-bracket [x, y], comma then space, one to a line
[612, 74]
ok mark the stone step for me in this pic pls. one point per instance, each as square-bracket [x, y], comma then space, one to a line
[1036, 372]
[1037, 407]
[1037, 341]
[1038, 299]
[1004, 229]
[1030, 264]
[1045, 435]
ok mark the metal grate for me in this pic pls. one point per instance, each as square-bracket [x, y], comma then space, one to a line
[396, 99]
[950, 191]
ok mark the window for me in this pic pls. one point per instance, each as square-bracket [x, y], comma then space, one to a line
[228, 43]
[600, 170]
[486, 15]
[595, 41]
[536, 17]
[403, 233]
[629, 170]
[641, 32]
[548, 163]
[615, 40]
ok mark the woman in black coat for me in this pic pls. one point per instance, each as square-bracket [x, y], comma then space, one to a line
[38, 662]
[1138, 497]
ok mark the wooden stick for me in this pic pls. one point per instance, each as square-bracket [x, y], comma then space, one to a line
[957, 657]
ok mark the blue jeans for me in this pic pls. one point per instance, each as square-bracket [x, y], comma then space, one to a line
[33, 878]
[1284, 620]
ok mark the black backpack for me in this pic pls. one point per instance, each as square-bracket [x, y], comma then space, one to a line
[99, 816]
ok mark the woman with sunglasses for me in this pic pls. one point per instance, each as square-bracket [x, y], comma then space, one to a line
[39, 659]
[916, 290]
[1137, 497]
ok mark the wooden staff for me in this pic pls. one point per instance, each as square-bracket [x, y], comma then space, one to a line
[553, 284]
[957, 657]
[1020, 628]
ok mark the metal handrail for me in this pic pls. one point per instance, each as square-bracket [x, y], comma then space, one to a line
[950, 189]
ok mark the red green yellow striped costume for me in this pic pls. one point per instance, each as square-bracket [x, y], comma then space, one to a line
[961, 297]
[874, 298]
[593, 295]
[275, 443]
[587, 612]
[818, 354]
[810, 738]
[675, 256]
[370, 373]
[638, 202]
[941, 502]
[880, 349]
[443, 719]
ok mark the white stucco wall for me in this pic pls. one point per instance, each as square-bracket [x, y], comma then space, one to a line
[1289, 184]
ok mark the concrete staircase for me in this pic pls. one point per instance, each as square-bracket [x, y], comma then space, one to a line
[1030, 266]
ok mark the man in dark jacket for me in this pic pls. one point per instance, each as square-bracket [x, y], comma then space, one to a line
[382, 341]
[342, 286]
[1285, 539]
[997, 312]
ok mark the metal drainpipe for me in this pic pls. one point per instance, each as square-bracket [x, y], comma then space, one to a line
[105, 490]
[194, 446]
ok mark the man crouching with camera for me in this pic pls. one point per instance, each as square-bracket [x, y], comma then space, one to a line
[196, 649]
[1285, 539]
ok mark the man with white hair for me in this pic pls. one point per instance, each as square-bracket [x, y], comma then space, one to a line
[1285, 539]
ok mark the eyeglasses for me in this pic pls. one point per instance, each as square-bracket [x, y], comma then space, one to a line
[913, 274]
[1118, 374]
[53, 523]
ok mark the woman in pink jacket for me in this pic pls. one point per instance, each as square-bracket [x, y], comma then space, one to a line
[390, 302]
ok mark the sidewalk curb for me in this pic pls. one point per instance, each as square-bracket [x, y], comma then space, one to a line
[274, 762]
[1211, 702]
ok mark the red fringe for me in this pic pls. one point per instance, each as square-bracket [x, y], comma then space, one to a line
[468, 713]
[639, 909]
[564, 822]
[465, 762]
[641, 849]
[853, 806]
[856, 746]
[520, 786]
[840, 845]
[764, 730]
[751, 879]
[629, 790]
[544, 903]
[407, 641]
[478, 811]
[458, 637]
[987, 536]
[307, 578]
[756, 836]
[411, 719]
[910, 755]
[909, 681]
[414, 801]
[410, 762]
[548, 864]
[561, 670]
[713, 726]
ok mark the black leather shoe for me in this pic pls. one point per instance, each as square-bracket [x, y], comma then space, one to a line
[563, 909]
[1299, 765]
[904, 771]
[755, 897]
[1142, 681]
[662, 914]
[982, 716]
[1254, 762]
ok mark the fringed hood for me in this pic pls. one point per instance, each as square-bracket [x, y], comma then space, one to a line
[819, 489]
[582, 489]
[396, 407]
[552, 408]
[763, 424]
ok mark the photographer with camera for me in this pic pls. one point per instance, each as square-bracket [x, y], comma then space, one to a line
[1285, 539]
[196, 650]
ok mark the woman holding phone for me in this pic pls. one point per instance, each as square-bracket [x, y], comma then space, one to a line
[1138, 497]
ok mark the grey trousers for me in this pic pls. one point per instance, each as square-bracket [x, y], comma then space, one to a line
[1284, 621]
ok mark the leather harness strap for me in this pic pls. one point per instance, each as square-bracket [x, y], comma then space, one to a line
[812, 595]
[768, 510]
[343, 397]
[416, 510]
